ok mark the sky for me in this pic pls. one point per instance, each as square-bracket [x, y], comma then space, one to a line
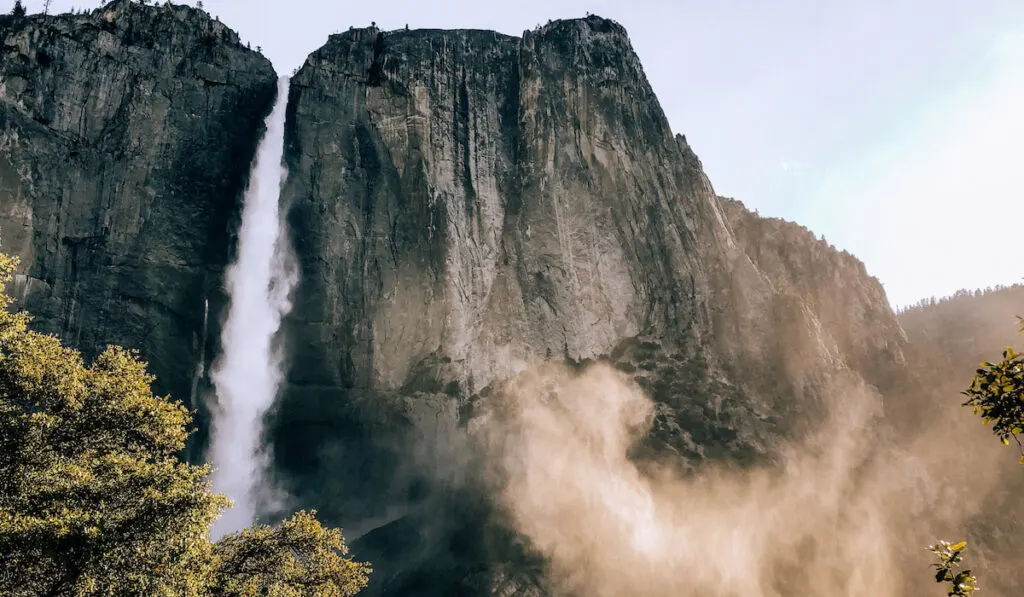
[893, 128]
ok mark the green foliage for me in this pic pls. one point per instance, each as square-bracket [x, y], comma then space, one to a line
[18, 10]
[94, 499]
[299, 557]
[961, 583]
[997, 394]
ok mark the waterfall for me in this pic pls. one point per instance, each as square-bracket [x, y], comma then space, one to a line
[248, 374]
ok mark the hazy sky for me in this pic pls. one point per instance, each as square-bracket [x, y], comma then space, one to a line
[892, 127]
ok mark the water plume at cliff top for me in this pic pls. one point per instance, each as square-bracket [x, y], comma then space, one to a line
[248, 373]
[839, 513]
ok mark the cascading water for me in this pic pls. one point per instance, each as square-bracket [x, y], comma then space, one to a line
[248, 374]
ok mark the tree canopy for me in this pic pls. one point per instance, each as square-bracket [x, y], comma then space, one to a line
[95, 500]
[996, 394]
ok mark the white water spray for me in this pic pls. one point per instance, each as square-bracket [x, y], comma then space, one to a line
[248, 374]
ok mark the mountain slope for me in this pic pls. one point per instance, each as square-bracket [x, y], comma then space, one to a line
[947, 341]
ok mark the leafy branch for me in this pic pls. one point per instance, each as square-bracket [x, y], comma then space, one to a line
[997, 394]
[961, 583]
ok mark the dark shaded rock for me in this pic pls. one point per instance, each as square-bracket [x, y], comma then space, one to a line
[126, 136]
[444, 207]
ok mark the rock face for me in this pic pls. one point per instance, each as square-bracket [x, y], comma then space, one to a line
[464, 204]
[125, 141]
[834, 285]
[476, 199]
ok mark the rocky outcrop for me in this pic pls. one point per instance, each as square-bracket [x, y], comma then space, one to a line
[476, 200]
[125, 140]
[464, 204]
[850, 304]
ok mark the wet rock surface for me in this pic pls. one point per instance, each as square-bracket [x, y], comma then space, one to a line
[126, 135]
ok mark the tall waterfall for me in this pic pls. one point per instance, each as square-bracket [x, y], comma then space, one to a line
[248, 374]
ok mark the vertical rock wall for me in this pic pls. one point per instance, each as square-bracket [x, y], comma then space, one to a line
[126, 136]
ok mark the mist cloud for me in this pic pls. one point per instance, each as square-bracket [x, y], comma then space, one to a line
[842, 512]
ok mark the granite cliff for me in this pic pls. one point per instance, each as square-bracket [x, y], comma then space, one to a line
[464, 206]
[467, 204]
[125, 140]
[504, 199]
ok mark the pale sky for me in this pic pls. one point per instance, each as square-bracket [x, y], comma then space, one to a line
[892, 127]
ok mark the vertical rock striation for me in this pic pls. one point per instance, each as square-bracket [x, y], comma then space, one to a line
[846, 300]
[464, 204]
[125, 138]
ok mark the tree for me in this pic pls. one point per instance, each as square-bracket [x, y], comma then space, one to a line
[961, 583]
[18, 10]
[297, 558]
[996, 394]
[94, 499]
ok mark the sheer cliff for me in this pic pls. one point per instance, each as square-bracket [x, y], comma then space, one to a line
[466, 204]
[844, 297]
[125, 139]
